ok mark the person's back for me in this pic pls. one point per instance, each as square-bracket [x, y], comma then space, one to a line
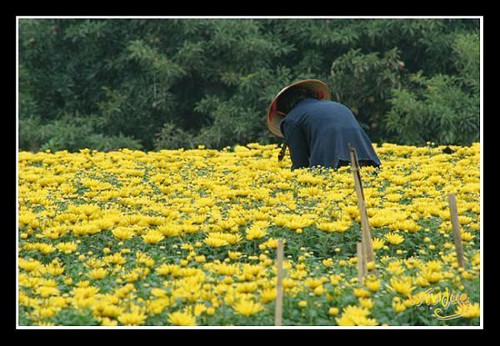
[319, 132]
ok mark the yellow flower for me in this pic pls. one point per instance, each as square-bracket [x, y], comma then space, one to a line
[199, 309]
[370, 265]
[355, 316]
[234, 255]
[170, 230]
[247, 287]
[84, 283]
[434, 266]
[123, 233]
[302, 303]
[98, 273]
[267, 295]
[402, 285]
[255, 232]
[398, 306]
[158, 292]
[132, 318]
[29, 265]
[67, 248]
[378, 243]
[115, 258]
[215, 242]
[106, 309]
[326, 226]
[366, 303]
[288, 283]
[271, 243]
[335, 279]
[466, 236]
[421, 281]
[468, 275]
[179, 318]
[469, 310]
[247, 307]
[152, 237]
[405, 225]
[200, 200]
[333, 311]
[318, 291]
[394, 238]
[431, 276]
[46, 312]
[327, 262]
[41, 247]
[372, 284]
[108, 322]
[200, 259]
[313, 282]
[395, 267]
[361, 293]
[476, 259]
[46, 291]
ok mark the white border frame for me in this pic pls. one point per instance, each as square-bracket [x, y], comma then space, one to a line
[481, 111]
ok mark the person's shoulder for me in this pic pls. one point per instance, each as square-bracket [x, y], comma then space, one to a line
[332, 102]
[336, 105]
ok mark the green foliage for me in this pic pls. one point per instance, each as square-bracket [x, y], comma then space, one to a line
[75, 318]
[365, 81]
[173, 137]
[170, 83]
[442, 108]
[437, 110]
[69, 133]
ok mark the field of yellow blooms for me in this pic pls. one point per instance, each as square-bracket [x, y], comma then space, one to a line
[188, 237]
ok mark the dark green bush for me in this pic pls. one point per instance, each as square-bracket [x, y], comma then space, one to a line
[170, 83]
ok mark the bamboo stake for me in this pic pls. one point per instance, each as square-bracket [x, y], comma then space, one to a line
[365, 226]
[279, 286]
[457, 237]
[361, 262]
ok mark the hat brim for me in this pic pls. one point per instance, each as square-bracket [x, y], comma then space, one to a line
[274, 116]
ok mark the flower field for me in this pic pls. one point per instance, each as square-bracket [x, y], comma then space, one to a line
[188, 237]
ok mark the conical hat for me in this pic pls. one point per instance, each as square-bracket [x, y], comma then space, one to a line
[274, 116]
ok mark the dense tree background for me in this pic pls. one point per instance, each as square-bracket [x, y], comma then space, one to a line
[171, 83]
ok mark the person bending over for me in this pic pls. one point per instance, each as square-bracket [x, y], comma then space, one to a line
[318, 131]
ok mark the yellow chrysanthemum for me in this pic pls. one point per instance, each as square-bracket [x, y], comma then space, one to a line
[378, 243]
[469, 310]
[67, 248]
[179, 318]
[268, 295]
[394, 238]
[98, 273]
[247, 307]
[333, 311]
[355, 316]
[372, 284]
[123, 233]
[152, 237]
[197, 205]
[402, 285]
[132, 318]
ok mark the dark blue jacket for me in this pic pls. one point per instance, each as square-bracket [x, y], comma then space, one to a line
[318, 132]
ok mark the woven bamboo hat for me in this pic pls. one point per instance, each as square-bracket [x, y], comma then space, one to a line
[274, 115]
